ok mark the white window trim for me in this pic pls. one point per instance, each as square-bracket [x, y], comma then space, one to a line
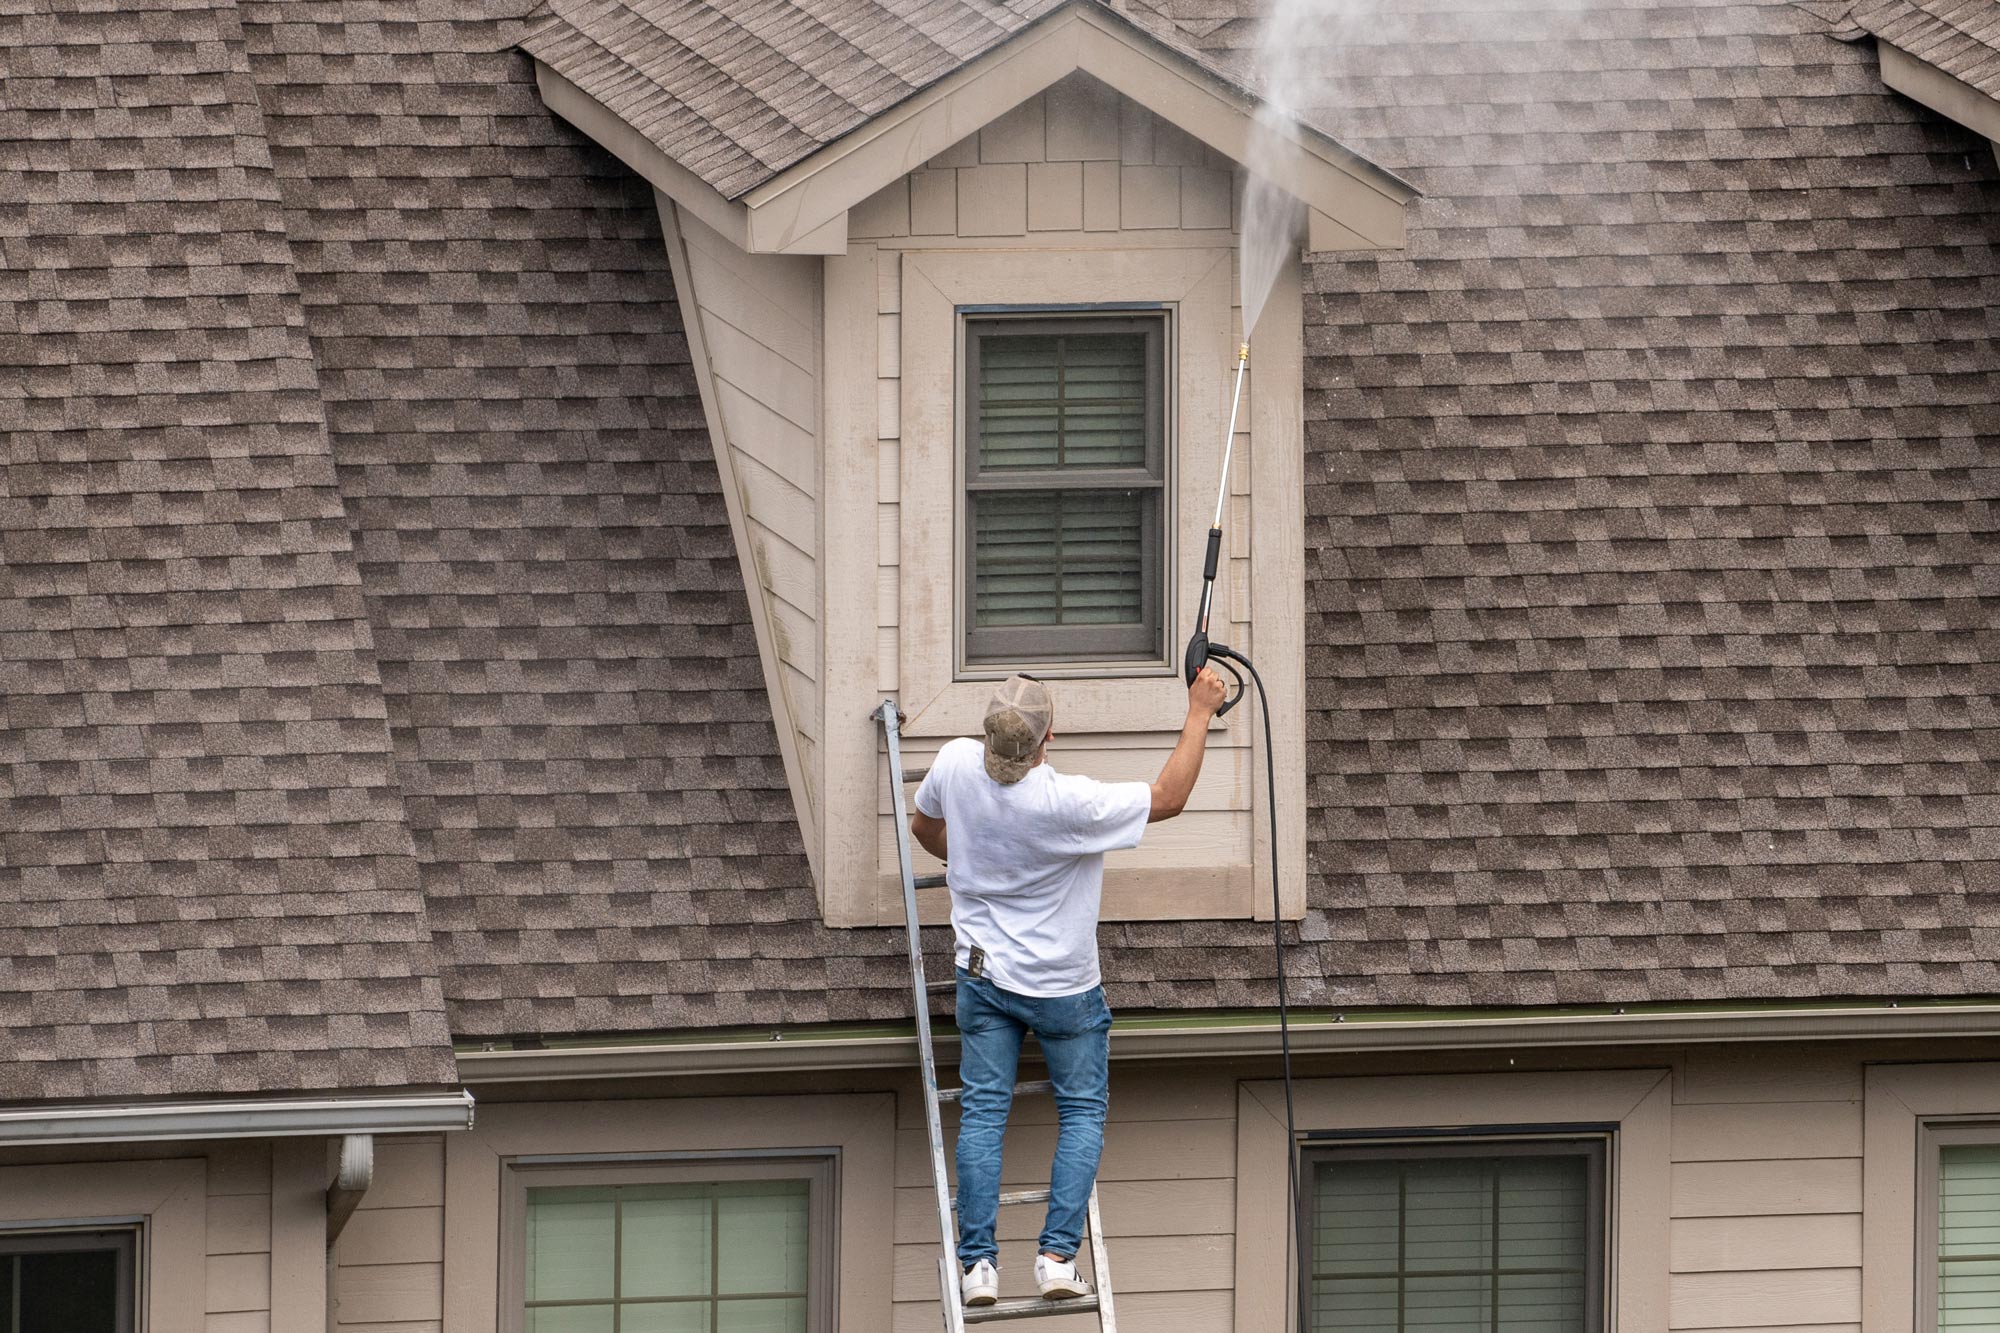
[859, 1129]
[169, 1200]
[1897, 1147]
[1932, 1138]
[1637, 1102]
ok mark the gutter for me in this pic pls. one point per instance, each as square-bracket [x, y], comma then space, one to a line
[267, 1118]
[1180, 1037]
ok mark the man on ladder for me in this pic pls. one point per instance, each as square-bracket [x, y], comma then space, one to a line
[1026, 870]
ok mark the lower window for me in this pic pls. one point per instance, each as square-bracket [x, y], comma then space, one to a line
[1962, 1228]
[676, 1247]
[1473, 1237]
[67, 1281]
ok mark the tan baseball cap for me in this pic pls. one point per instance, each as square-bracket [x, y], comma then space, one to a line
[1017, 722]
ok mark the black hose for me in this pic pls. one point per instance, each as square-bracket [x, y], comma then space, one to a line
[1298, 1237]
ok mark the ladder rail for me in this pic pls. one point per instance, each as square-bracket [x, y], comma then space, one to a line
[948, 1286]
[1100, 1265]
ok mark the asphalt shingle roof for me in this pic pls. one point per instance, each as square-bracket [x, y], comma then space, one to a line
[207, 881]
[361, 535]
[1960, 37]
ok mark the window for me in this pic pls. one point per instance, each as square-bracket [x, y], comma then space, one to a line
[676, 1248]
[1961, 1213]
[1065, 489]
[71, 1281]
[1476, 1238]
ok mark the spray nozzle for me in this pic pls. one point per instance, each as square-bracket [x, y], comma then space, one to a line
[1243, 354]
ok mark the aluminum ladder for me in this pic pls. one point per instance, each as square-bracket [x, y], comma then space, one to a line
[956, 1315]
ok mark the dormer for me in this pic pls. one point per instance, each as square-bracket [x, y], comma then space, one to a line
[960, 293]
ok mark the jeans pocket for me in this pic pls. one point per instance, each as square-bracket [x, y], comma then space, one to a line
[1073, 1015]
[976, 1011]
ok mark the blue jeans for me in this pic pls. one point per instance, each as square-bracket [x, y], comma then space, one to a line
[1075, 1036]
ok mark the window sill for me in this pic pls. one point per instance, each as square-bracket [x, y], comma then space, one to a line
[1130, 894]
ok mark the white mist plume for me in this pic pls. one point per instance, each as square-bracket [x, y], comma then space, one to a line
[1273, 220]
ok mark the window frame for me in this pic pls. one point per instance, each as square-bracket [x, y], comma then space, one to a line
[1932, 1138]
[994, 652]
[1594, 1146]
[818, 1169]
[122, 1240]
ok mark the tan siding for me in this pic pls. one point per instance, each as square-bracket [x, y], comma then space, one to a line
[238, 1223]
[389, 1261]
[1766, 1191]
[759, 326]
[1040, 172]
[1168, 1192]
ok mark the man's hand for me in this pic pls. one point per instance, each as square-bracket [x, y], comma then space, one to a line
[1176, 780]
[1207, 692]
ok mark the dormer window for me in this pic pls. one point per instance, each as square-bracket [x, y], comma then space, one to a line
[1065, 483]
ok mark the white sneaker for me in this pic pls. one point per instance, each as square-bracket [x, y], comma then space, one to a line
[1058, 1279]
[980, 1284]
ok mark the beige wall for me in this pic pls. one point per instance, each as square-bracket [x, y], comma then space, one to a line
[1076, 195]
[235, 1231]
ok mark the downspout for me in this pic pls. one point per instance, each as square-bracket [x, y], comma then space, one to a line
[350, 1182]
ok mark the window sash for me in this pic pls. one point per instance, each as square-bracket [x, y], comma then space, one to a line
[1140, 639]
[121, 1242]
[526, 1174]
[1397, 1270]
[1947, 1270]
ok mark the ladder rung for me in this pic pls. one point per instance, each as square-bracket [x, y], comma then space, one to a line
[939, 987]
[1037, 1088]
[1017, 1197]
[930, 881]
[1028, 1307]
[915, 775]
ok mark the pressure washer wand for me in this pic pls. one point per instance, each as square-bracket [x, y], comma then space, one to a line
[1199, 648]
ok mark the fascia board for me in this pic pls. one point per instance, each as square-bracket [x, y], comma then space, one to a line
[426, 1113]
[1949, 96]
[617, 137]
[1347, 190]
[1162, 1039]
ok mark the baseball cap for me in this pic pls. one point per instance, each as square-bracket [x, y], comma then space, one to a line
[1017, 722]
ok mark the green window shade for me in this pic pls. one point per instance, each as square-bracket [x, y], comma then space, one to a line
[1062, 400]
[1058, 557]
[724, 1257]
[1969, 1236]
[1451, 1243]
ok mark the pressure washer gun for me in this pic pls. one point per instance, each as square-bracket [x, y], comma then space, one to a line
[1201, 650]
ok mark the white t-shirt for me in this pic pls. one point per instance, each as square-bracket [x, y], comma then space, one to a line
[1026, 868]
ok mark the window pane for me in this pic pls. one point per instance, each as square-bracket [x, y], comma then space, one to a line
[761, 1316]
[569, 1319]
[1540, 1303]
[74, 1291]
[675, 1317]
[1447, 1214]
[1969, 1236]
[1442, 1241]
[1355, 1305]
[761, 1238]
[1062, 400]
[664, 1231]
[1060, 557]
[1458, 1304]
[570, 1244]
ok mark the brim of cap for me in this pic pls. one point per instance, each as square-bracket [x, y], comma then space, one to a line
[1005, 770]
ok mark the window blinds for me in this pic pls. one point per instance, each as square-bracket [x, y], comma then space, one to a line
[1465, 1244]
[1065, 488]
[1969, 1236]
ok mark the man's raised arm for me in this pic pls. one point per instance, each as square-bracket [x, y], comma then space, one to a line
[1176, 780]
